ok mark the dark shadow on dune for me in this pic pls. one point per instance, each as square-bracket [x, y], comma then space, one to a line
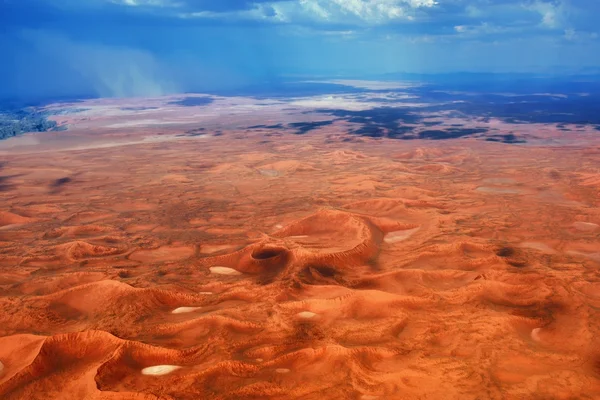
[5, 185]
[320, 275]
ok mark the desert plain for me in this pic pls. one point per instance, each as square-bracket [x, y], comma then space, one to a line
[239, 248]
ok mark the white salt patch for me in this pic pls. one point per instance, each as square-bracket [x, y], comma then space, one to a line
[585, 226]
[535, 334]
[538, 246]
[224, 271]
[306, 314]
[282, 370]
[398, 236]
[160, 369]
[183, 310]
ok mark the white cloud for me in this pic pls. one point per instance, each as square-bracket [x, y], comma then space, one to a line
[551, 13]
[146, 3]
[335, 11]
[484, 28]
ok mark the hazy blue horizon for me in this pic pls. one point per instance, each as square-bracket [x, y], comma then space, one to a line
[128, 48]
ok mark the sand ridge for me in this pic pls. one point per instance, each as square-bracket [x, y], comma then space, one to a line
[350, 270]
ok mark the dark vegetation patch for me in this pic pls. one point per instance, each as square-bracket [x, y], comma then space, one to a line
[193, 101]
[60, 182]
[450, 133]
[304, 127]
[138, 108]
[17, 122]
[505, 252]
[125, 274]
[193, 132]
[277, 126]
[508, 138]
[379, 122]
[554, 174]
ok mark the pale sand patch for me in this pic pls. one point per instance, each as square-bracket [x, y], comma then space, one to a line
[398, 236]
[160, 369]
[162, 254]
[205, 293]
[306, 314]
[535, 334]
[585, 226]
[259, 360]
[486, 189]
[269, 173]
[1, 367]
[16, 141]
[297, 237]
[538, 246]
[209, 249]
[224, 271]
[368, 397]
[183, 310]
[591, 256]
[500, 181]
[282, 370]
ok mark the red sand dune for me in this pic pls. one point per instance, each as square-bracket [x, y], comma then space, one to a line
[233, 269]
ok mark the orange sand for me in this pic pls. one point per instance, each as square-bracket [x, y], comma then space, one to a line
[300, 269]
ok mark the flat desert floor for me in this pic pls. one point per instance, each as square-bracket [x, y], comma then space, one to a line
[154, 252]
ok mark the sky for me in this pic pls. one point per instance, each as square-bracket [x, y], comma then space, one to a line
[153, 47]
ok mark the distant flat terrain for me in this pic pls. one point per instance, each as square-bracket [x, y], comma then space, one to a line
[375, 244]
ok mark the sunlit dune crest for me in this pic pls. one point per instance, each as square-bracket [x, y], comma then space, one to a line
[158, 370]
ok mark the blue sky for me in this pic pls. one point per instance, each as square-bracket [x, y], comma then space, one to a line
[148, 47]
